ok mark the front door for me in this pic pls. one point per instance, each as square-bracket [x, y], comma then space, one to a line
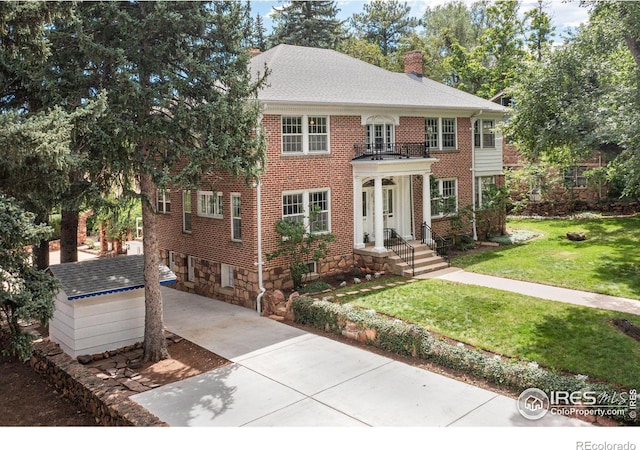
[369, 214]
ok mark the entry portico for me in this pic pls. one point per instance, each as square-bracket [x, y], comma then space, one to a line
[382, 192]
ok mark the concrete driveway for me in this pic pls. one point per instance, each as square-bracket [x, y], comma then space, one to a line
[282, 376]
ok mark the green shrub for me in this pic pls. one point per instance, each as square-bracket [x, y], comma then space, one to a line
[407, 339]
[316, 286]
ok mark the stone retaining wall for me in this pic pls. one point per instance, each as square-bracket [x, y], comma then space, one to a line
[553, 209]
[107, 401]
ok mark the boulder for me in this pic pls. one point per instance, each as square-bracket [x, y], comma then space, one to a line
[576, 236]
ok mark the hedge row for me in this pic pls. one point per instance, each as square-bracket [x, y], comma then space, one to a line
[407, 339]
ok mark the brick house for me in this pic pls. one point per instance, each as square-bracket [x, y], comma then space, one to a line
[375, 152]
[574, 186]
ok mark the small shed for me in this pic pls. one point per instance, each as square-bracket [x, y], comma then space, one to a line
[100, 306]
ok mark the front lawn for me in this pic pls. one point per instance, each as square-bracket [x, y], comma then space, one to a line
[608, 262]
[555, 335]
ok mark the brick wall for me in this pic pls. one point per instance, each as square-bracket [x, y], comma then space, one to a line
[210, 239]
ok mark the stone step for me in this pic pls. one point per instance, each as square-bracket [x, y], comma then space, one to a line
[427, 269]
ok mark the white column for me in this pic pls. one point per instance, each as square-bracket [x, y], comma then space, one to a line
[358, 236]
[426, 198]
[379, 224]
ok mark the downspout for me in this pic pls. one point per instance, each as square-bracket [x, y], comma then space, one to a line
[259, 262]
[473, 173]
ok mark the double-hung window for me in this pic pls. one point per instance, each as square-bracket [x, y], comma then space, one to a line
[163, 201]
[440, 133]
[484, 134]
[444, 200]
[210, 204]
[305, 134]
[236, 217]
[310, 207]
[186, 211]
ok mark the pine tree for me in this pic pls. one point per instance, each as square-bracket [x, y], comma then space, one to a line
[179, 105]
[259, 40]
[308, 24]
[384, 23]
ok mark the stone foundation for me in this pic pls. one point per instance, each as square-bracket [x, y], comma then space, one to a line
[208, 276]
[374, 262]
[109, 403]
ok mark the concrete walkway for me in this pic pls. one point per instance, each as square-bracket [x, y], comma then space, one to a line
[284, 377]
[543, 291]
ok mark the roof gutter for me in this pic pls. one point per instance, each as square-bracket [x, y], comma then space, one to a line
[474, 118]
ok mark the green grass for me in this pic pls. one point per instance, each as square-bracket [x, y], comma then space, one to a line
[559, 336]
[608, 262]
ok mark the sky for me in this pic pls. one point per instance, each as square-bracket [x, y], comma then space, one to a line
[565, 14]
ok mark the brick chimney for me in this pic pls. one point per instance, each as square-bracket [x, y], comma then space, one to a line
[413, 62]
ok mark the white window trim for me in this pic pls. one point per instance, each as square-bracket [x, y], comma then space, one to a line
[185, 212]
[440, 182]
[480, 123]
[479, 187]
[227, 276]
[305, 206]
[218, 197]
[440, 139]
[191, 273]
[370, 133]
[166, 199]
[233, 217]
[305, 135]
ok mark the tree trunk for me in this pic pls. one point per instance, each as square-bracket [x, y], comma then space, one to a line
[69, 236]
[40, 252]
[104, 243]
[155, 346]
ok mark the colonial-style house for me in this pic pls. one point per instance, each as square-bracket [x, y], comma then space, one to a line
[385, 158]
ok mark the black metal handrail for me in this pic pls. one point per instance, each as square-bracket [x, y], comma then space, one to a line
[435, 241]
[399, 150]
[396, 243]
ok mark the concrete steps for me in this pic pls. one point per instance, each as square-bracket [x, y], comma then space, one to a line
[425, 261]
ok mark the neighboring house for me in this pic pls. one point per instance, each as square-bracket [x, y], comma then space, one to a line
[372, 150]
[574, 185]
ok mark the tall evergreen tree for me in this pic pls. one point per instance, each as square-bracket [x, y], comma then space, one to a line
[180, 104]
[384, 23]
[36, 133]
[259, 40]
[308, 24]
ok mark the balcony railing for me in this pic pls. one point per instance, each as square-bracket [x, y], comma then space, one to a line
[381, 150]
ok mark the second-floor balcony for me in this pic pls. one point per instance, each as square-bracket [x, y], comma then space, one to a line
[398, 150]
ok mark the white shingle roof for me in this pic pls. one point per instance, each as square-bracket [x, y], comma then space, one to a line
[320, 76]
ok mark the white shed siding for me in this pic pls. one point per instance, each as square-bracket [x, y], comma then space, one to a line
[97, 324]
